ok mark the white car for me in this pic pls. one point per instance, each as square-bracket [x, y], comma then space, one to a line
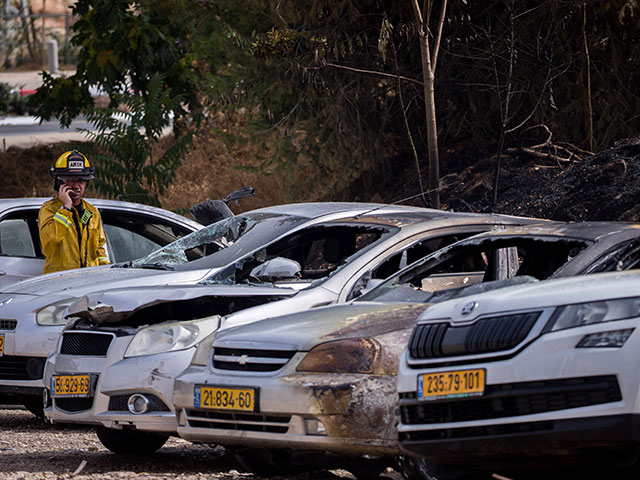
[324, 381]
[133, 230]
[146, 338]
[31, 311]
[540, 376]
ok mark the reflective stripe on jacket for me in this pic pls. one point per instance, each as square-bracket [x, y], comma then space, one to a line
[60, 241]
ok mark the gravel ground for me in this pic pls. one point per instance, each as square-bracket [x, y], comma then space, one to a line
[31, 449]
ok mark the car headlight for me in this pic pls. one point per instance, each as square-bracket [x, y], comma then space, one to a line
[171, 336]
[52, 314]
[203, 351]
[577, 315]
[351, 355]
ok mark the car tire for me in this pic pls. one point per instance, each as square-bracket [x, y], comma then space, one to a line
[33, 403]
[130, 442]
[264, 462]
[416, 468]
[368, 469]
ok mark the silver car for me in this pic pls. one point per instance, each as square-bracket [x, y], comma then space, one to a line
[133, 230]
[325, 380]
[537, 377]
[147, 338]
[31, 311]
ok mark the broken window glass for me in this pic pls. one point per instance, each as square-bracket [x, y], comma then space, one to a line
[217, 244]
[477, 260]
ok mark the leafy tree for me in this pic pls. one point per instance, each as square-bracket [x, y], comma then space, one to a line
[124, 141]
[122, 44]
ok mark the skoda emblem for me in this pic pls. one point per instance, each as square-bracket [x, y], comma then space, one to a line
[469, 307]
[6, 302]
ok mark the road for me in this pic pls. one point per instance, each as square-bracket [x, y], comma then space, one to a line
[31, 449]
[26, 131]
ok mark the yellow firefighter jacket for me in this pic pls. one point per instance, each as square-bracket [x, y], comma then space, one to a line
[69, 240]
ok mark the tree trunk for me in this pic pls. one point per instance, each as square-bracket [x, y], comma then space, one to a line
[432, 130]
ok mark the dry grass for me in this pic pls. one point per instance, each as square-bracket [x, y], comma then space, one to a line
[211, 169]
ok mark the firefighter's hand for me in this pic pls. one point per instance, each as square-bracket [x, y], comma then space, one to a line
[63, 195]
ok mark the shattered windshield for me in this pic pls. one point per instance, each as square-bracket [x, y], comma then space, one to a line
[218, 244]
[307, 255]
[474, 262]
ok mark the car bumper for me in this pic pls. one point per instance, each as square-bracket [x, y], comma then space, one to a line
[551, 400]
[114, 382]
[23, 360]
[342, 413]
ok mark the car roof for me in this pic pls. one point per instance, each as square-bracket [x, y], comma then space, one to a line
[101, 203]
[381, 213]
[591, 231]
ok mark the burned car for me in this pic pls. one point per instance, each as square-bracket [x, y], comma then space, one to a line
[282, 391]
[31, 311]
[534, 377]
[116, 362]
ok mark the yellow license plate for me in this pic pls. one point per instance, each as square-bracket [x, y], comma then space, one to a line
[243, 399]
[1, 345]
[456, 383]
[71, 385]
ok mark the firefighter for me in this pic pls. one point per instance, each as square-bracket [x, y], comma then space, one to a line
[71, 230]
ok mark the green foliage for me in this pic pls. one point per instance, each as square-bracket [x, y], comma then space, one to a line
[124, 141]
[12, 102]
[5, 97]
[121, 45]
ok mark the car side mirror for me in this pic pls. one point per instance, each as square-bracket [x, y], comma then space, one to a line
[278, 268]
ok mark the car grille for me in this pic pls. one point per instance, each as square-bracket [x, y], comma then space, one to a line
[247, 360]
[249, 422]
[21, 368]
[85, 343]
[493, 334]
[512, 400]
[74, 404]
[473, 432]
[119, 403]
[8, 324]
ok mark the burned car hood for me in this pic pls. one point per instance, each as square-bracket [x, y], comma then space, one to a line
[302, 331]
[149, 305]
[80, 281]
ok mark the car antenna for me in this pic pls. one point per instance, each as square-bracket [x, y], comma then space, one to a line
[402, 200]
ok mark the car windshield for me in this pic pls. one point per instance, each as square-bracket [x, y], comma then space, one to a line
[220, 243]
[308, 255]
[477, 261]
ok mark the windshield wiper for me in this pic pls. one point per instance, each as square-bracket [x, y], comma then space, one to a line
[156, 266]
[128, 264]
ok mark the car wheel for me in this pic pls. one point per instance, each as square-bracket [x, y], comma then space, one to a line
[416, 468]
[368, 469]
[34, 405]
[263, 462]
[131, 442]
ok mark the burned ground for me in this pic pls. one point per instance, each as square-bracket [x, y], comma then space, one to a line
[604, 186]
